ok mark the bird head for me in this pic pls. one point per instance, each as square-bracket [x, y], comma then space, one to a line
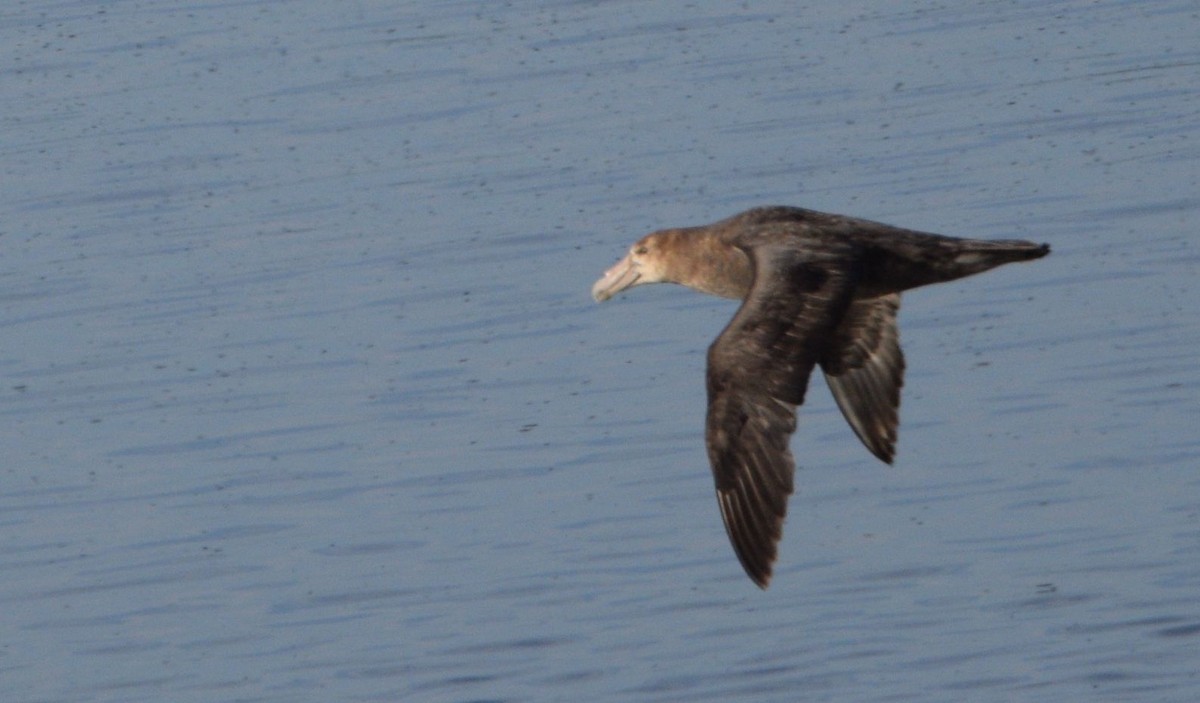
[643, 264]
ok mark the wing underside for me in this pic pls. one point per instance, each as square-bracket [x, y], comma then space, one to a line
[758, 371]
[865, 371]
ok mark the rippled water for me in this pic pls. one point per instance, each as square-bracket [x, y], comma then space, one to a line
[305, 399]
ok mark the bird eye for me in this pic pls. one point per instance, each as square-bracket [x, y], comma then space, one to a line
[640, 250]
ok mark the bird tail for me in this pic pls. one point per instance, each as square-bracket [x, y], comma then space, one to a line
[976, 256]
[918, 259]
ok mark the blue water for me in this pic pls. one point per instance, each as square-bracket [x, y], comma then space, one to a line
[304, 397]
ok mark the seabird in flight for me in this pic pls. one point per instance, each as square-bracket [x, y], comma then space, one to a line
[816, 289]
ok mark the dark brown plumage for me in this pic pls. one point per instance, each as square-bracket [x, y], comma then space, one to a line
[817, 290]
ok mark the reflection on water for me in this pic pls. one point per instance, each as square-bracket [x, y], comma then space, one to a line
[305, 398]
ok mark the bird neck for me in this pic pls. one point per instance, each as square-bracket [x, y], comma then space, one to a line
[705, 263]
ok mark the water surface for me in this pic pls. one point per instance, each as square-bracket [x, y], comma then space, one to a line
[305, 398]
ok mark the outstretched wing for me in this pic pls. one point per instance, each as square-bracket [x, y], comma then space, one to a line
[865, 370]
[758, 370]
